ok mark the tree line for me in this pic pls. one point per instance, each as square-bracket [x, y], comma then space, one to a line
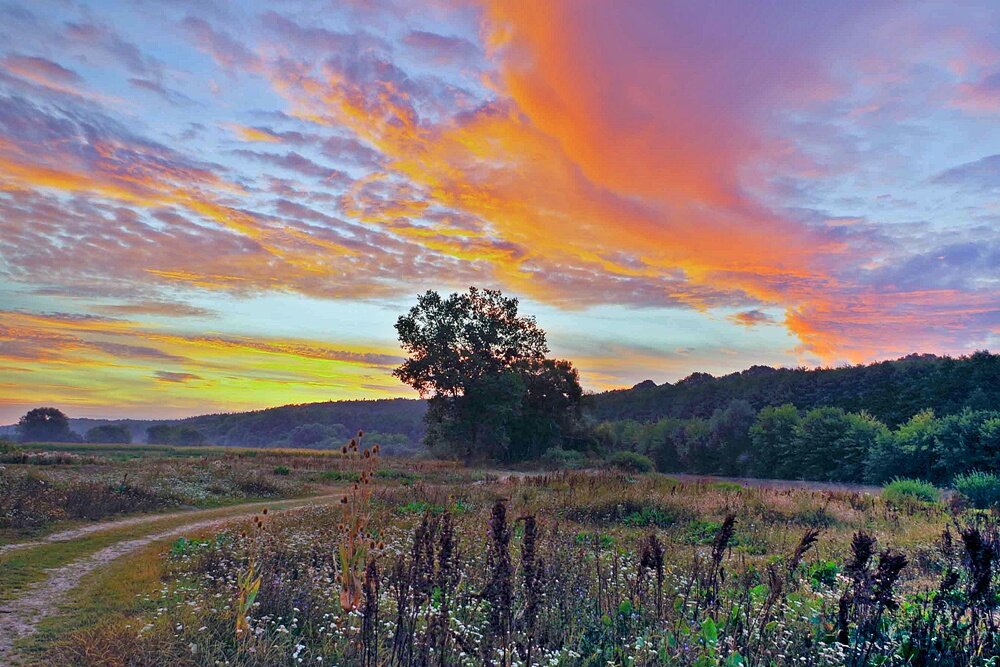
[893, 391]
[493, 393]
[824, 444]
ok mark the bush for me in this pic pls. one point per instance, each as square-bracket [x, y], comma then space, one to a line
[281, 470]
[901, 490]
[631, 462]
[558, 458]
[981, 489]
[630, 512]
[109, 433]
[8, 446]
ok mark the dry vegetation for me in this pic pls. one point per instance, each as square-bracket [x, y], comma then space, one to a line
[42, 485]
[569, 569]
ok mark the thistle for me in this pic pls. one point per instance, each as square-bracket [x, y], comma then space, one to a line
[247, 586]
[356, 542]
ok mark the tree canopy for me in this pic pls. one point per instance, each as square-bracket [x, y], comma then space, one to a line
[109, 434]
[45, 425]
[492, 392]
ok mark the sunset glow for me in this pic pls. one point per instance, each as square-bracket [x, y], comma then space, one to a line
[210, 206]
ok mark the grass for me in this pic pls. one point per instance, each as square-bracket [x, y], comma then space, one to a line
[589, 532]
[20, 568]
[140, 450]
[577, 552]
[903, 490]
[52, 484]
[112, 593]
[108, 596]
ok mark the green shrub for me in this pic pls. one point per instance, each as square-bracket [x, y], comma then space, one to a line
[587, 539]
[727, 487]
[630, 512]
[823, 573]
[649, 516]
[981, 489]
[701, 532]
[558, 458]
[631, 462]
[420, 507]
[8, 446]
[340, 476]
[902, 490]
[402, 475]
[282, 470]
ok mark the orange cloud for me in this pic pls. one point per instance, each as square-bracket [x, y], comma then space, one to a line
[254, 133]
[552, 170]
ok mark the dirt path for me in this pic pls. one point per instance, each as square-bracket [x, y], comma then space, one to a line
[100, 526]
[19, 617]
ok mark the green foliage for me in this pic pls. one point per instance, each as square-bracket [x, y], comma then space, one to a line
[969, 441]
[493, 393]
[603, 540]
[821, 440]
[901, 490]
[981, 489]
[558, 458]
[166, 434]
[396, 424]
[340, 475]
[773, 437]
[627, 512]
[114, 434]
[701, 532]
[823, 573]
[393, 473]
[282, 470]
[891, 391]
[45, 425]
[909, 451]
[649, 516]
[420, 507]
[729, 437]
[631, 462]
[826, 444]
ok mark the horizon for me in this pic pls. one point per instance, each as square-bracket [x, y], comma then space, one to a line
[208, 208]
[418, 398]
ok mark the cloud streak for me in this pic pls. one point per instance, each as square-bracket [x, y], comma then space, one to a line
[733, 164]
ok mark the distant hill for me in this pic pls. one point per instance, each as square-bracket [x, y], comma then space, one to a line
[397, 424]
[892, 391]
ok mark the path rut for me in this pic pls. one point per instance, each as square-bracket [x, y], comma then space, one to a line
[19, 618]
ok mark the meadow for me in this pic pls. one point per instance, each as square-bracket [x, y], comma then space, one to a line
[45, 486]
[427, 563]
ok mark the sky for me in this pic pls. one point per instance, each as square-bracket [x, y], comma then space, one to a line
[211, 206]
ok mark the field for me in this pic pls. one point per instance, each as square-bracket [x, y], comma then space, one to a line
[441, 565]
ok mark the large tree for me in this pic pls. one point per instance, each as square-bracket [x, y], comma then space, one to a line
[45, 425]
[491, 391]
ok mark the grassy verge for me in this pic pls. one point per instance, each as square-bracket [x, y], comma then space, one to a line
[136, 450]
[13, 536]
[20, 568]
[113, 594]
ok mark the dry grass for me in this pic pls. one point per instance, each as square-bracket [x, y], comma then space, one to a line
[586, 591]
